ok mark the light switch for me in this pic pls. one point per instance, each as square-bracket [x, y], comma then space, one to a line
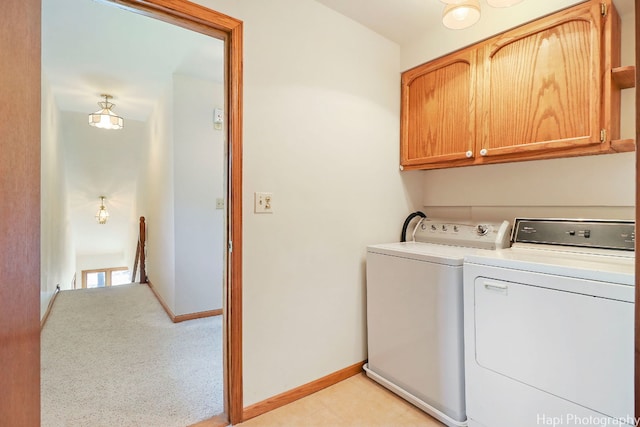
[263, 202]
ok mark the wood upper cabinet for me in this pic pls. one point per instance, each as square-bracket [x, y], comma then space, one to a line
[438, 111]
[542, 90]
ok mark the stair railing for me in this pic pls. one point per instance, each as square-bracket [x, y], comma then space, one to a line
[140, 254]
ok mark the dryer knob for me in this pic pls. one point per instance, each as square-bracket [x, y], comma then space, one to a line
[482, 229]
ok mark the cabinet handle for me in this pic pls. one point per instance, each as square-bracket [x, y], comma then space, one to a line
[469, 154]
[483, 152]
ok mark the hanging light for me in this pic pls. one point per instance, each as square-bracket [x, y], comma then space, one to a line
[461, 13]
[105, 118]
[102, 216]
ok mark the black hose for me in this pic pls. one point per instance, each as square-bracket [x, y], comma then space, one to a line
[403, 235]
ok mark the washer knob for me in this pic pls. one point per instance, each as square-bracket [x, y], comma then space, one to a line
[482, 229]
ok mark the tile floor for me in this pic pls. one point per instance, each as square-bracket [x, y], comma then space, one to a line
[355, 402]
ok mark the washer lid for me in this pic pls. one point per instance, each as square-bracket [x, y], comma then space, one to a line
[431, 252]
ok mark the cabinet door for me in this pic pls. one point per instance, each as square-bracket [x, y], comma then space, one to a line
[438, 112]
[541, 87]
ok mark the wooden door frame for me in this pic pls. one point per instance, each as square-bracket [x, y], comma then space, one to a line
[206, 21]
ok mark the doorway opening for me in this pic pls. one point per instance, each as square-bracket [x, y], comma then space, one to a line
[205, 21]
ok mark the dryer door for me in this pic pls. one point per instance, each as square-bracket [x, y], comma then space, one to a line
[574, 346]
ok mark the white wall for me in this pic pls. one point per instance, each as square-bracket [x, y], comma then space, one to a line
[155, 194]
[56, 248]
[199, 178]
[182, 176]
[600, 186]
[321, 132]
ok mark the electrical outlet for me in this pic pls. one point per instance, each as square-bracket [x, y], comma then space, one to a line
[263, 202]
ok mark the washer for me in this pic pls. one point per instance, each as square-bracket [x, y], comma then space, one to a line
[548, 328]
[414, 313]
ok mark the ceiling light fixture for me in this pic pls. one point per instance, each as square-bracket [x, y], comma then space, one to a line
[105, 118]
[102, 216]
[459, 14]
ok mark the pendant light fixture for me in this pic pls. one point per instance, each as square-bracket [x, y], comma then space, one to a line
[102, 216]
[105, 118]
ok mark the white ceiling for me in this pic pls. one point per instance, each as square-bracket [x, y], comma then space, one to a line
[90, 48]
[405, 20]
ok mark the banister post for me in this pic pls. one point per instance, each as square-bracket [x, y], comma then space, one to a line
[142, 241]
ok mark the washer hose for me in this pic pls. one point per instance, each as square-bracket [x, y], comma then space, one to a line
[403, 235]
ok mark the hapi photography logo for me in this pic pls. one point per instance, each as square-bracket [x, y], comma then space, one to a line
[588, 421]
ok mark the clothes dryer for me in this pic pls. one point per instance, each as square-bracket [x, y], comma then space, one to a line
[549, 326]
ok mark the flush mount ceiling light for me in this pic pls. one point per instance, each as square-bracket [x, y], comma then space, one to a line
[102, 216]
[105, 118]
[459, 14]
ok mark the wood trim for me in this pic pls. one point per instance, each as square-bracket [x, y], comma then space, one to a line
[160, 300]
[199, 315]
[20, 40]
[201, 19]
[140, 255]
[49, 307]
[217, 421]
[302, 391]
[181, 317]
[624, 77]
[623, 145]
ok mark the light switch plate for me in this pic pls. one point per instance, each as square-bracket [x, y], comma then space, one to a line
[263, 202]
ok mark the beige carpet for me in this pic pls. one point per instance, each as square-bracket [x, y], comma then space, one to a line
[111, 357]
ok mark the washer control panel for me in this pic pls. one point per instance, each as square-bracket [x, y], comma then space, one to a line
[484, 235]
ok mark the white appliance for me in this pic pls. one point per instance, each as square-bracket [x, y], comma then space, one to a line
[548, 328]
[414, 313]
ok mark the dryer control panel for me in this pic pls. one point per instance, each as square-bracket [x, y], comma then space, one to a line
[596, 234]
[483, 235]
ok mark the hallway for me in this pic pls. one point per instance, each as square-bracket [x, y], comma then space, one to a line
[111, 357]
